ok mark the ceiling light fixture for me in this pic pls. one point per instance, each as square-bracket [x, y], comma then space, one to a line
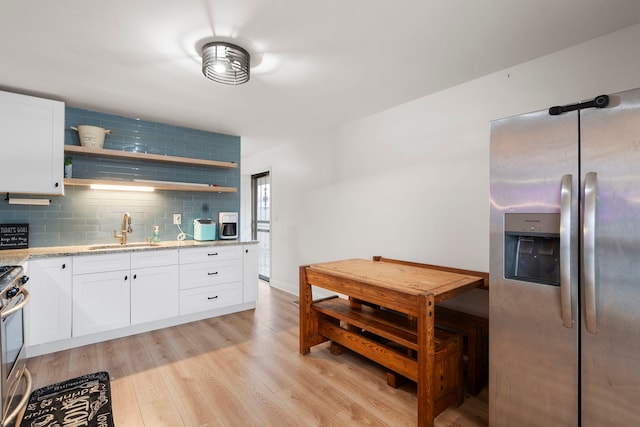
[225, 63]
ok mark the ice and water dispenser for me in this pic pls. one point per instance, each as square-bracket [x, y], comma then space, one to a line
[532, 247]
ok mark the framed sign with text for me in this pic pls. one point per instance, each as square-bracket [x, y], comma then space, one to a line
[14, 236]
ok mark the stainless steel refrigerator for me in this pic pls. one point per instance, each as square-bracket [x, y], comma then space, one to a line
[565, 266]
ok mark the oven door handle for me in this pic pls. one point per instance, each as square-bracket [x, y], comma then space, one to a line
[25, 398]
[8, 312]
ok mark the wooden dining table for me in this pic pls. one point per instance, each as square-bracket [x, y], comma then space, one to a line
[408, 290]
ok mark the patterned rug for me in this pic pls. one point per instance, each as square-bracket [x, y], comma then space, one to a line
[82, 401]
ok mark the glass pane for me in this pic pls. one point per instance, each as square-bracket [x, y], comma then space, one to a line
[261, 186]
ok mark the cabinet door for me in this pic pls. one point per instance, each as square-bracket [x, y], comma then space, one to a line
[49, 309]
[32, 133]
[101, 302]
[250, 273]
[154, 293]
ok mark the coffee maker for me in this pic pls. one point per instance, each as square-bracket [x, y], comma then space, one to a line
[228, 225]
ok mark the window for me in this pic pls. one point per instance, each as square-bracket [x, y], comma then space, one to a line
[261, 221]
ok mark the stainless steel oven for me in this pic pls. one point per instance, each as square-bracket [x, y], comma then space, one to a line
[15, 381]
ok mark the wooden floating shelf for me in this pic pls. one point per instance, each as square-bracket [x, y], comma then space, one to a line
[77, 149]
[170, 186]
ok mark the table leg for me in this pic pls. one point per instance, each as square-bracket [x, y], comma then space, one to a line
[308, 318]
[426, 359]
[304, 310]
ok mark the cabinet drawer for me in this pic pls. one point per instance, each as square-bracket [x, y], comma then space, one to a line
[154, 258]
[101, 263]
[210, 253]
[210, 297]
[210, 273]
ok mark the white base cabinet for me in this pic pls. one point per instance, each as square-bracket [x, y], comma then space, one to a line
[101, 299]
[154, 285]
[100, 302]
[250, 273]
[48, 312]
[210, 278]
[83, 299]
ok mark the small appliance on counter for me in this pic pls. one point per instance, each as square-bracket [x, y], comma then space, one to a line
[228, 225]
[204, 229]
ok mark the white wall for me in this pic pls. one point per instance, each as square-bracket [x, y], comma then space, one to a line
[412, 182]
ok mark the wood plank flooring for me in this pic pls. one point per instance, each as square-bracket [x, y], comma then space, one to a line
[244, 369]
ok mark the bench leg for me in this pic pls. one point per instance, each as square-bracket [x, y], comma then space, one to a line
[472, 361]
[337, 349]
[395, 380]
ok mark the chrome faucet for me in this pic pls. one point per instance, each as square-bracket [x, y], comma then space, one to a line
[126, 228]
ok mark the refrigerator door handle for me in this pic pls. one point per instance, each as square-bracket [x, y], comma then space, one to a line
[589, 250]
[566, 195]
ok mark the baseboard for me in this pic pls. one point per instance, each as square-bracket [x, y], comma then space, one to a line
[52, 347]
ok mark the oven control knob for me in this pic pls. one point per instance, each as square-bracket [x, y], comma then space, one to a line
[12, 292]
[24, 279]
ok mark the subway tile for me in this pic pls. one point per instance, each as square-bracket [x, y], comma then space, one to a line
[85, 216]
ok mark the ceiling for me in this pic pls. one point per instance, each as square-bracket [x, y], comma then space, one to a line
[315, 65]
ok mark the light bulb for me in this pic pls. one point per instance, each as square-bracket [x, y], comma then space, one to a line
[220, 67]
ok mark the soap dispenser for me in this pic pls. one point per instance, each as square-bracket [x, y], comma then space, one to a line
[156, 234]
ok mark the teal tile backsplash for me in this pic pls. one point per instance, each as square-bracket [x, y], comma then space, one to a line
[85, 216]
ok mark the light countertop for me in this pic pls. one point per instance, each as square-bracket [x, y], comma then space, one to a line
[20, 256]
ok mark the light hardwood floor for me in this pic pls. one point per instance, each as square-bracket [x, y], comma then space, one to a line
[244, 369]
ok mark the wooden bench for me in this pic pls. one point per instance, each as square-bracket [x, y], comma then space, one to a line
[473, 329]
[363, 328]
[475, 333]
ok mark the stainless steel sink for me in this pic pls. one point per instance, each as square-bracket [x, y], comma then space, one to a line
[125, 246]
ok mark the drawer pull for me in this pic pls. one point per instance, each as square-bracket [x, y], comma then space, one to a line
[213, 254]
[212, 274]
[216, 297]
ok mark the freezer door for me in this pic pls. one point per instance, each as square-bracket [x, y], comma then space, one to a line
[533, 364]
[610, 333]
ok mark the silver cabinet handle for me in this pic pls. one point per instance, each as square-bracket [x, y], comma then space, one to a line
[566, 196]
[589, 250]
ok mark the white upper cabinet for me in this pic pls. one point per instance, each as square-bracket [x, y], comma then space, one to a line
[32, 141]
